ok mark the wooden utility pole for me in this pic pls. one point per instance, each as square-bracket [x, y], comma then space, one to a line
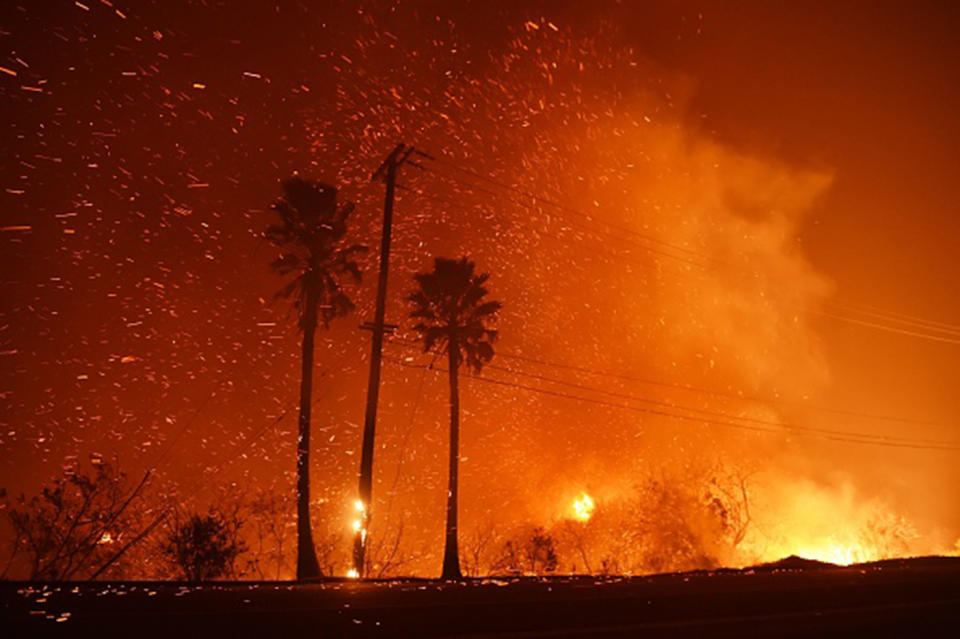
[388, 173]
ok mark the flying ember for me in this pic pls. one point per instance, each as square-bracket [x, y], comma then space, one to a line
[383, 290]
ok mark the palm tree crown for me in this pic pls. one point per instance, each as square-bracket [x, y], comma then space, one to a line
[311, 236]
[449, 304]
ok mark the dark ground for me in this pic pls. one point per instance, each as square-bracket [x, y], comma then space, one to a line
[915, 598]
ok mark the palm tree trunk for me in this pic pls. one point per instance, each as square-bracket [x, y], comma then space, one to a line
[307, 565]
[451, 555]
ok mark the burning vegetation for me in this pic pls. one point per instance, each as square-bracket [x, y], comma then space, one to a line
[653, 401]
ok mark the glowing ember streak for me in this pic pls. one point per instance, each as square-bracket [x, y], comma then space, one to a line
[583, 508]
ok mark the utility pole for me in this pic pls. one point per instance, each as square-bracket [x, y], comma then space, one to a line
[387, 172]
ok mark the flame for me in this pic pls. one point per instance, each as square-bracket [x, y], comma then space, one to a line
[353, 574]
[361, 509]
[583, 507]
[358, 527]
[835, 553]
[836, 525]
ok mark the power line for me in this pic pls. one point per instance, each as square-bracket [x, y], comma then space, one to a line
[894, 316]
[890, 329]
[839, 436]
[710, 413]
[697, 410]
[696, 389]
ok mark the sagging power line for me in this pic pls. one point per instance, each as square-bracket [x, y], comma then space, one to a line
[839, 436]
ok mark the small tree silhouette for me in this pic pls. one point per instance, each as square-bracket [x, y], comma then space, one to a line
[454, 319]
[532, 552]
[204, 547]
[312, 236]
[80, 525]
[540, 553]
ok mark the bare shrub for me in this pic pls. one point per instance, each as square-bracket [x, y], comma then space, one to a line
[204, 547]
[80, 526]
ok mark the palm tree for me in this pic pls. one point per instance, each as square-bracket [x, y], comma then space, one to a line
[454, 319]
[311, 236]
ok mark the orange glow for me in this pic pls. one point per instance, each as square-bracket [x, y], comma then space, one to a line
[833, 553]
[583, 506]
[690, 244]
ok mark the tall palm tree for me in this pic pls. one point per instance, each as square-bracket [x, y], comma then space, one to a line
[454, 319]
[311, 236]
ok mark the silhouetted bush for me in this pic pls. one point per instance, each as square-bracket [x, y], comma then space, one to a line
[205, 547]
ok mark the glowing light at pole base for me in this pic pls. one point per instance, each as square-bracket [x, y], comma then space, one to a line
[358, 523]
[358, 527]
[352, 574]
[583, 507]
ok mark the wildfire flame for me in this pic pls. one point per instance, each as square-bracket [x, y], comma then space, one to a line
[834, 553]
[583, 507]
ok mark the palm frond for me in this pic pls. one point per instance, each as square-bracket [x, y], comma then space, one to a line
[312, 230]
[286, 263]
[448, 304]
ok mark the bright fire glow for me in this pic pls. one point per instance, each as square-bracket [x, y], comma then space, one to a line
[352, 574]
[583, 507]
[834, 553]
